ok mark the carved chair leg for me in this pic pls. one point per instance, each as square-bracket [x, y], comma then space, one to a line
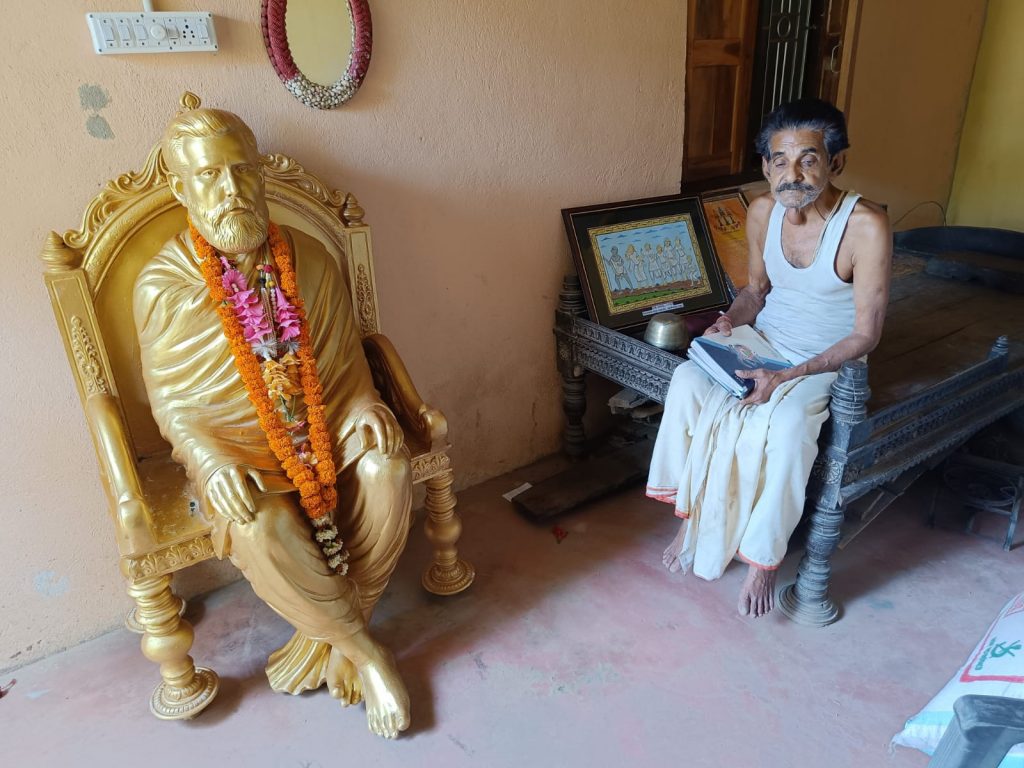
[131, 619]
[448, 574]
[807, 601]
[186, 689]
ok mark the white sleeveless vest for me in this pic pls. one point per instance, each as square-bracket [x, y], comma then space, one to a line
[808, 309]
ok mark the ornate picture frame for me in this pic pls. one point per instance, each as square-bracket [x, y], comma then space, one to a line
[637, 258]
[315, 95]
[725, 212]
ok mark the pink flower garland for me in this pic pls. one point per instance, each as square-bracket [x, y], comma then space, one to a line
[287, 318]
[247, 305]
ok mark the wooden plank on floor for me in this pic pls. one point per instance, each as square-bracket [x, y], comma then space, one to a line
[585, 481]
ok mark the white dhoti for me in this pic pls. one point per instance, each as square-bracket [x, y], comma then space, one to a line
[739, 473]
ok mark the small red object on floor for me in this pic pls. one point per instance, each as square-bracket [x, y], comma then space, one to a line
[560, 533]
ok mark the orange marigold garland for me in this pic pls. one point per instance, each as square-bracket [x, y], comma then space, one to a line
[244, 319]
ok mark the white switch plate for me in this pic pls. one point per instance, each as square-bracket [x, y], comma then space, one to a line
[159, 32]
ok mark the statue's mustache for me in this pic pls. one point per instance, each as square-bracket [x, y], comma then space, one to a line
[231, 206]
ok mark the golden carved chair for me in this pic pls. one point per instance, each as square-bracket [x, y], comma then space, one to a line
[90, 273]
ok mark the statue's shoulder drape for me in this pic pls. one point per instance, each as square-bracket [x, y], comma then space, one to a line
[197, 396]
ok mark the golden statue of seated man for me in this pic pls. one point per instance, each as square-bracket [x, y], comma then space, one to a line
[256, 377]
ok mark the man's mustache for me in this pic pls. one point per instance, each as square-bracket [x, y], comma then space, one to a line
[795, 186]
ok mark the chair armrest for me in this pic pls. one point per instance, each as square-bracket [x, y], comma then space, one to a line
[132, 515]
[423, 425]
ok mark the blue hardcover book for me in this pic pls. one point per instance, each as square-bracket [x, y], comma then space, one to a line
[720, 356]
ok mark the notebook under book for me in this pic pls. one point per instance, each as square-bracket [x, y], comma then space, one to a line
[720, 356]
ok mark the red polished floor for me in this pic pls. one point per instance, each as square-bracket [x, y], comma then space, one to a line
[583, 652]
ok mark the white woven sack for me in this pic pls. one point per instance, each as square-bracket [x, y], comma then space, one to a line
[994, 668]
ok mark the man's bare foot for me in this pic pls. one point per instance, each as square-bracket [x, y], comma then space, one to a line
[671, 556]
[387, 701]
[757, 595]
[343, 679]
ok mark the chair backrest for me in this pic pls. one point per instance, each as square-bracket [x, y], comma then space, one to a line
[90, 272]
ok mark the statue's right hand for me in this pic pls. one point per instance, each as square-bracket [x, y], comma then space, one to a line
[228, 494]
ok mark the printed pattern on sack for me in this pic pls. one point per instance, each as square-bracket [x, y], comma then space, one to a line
[997, 652]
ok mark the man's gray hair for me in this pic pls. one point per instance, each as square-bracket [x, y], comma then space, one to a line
[808, 114]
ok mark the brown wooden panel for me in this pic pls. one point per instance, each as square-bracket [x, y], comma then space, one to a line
[720, 45]
[709, 111]
[727, 51]
[935, 328]
[714, 19]
[825, 55]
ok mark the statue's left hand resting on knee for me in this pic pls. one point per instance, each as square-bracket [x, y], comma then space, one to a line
[256, 376]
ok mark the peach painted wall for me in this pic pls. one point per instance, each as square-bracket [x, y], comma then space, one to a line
[912, 74]
[477, 123]
[989, 169]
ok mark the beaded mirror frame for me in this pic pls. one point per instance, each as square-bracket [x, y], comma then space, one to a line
[315, 95]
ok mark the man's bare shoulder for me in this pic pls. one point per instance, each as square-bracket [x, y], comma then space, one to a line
[869, 219]
[868, 237]
[760, 210]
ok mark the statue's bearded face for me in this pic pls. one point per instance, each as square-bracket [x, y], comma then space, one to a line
[222, 187]
[798, 169]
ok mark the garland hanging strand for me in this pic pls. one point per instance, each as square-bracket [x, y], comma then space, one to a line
[316, 484]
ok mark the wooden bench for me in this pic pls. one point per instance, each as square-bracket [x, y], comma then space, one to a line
[941, 373]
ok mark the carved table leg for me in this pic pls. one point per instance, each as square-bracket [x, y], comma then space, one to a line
[574, 388]
[807, 601]
[574, 403]
[186, 689]
[448, 574]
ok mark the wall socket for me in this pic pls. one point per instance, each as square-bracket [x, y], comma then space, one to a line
[156, 32]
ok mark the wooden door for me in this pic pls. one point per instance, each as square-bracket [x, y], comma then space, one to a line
[719, 51]
[825, 50]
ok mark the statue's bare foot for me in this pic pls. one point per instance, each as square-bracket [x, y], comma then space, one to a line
[671, 556]
[387, 701]
[343, 679]
[757, 595]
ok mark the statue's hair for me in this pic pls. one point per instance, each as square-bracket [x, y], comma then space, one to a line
[200, 124]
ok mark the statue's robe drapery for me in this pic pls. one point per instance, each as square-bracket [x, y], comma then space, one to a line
[202, 408]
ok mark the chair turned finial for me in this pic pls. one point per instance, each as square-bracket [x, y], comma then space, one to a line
[188, 102]
[352, 213]
[57, 256]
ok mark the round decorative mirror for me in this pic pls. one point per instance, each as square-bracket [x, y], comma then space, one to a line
[319, 48]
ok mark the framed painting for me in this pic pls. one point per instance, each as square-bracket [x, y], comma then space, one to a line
[725, 211]
[641, 257]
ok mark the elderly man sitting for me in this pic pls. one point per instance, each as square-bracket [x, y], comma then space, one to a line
[820, 257]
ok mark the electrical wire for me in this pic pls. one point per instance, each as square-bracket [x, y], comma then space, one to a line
[936, 203]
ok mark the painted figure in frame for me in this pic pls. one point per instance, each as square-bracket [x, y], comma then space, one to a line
[735, 471]
[256, 376]
[636, 266]
[623, 282]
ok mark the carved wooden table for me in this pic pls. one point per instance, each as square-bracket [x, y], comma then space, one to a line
[927, 401]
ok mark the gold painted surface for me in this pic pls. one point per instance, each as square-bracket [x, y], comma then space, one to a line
[426, 428]
[167, 412]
